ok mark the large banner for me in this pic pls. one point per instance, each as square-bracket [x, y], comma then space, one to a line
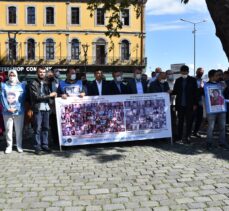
[214, 99]
[118, 118]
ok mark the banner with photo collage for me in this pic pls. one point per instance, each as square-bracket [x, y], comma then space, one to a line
[119, 118]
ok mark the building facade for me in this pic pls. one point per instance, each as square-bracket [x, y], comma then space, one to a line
[62, 33]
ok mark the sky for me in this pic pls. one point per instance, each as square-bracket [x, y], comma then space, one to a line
[170, 40]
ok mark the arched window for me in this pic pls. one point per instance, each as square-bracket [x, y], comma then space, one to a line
[125, 50]
[31, 15]
[100, 51]
[50, 53]
[12, 17]
[75, 49]
[49, 15]
[31, 49]
[12, 49]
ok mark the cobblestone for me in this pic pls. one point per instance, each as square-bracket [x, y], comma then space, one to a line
[137, 176]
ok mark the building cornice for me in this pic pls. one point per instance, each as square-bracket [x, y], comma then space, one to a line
[58, 31]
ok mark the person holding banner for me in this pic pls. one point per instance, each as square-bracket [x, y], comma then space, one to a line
[13, 94]
[41, 99]
[216, 110]
[117, 87]
[160, 84]
[71, 87]
[99, 86]
[137, 85]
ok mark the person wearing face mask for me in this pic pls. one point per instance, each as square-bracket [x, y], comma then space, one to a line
[13, 94]
[219, 118]
[137, 85]
[71, 87]
[117, 87]
[198, 114]
[160, 85]
[54, 81]
[185, 90]
[99, 86]
[154, 75]
[85, 82]
[171, 82]
[41, 98]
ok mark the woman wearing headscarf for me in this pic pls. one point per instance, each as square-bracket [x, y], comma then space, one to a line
[2, 127]
[13, 98]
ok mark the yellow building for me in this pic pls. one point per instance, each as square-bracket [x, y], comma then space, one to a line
[62, 33]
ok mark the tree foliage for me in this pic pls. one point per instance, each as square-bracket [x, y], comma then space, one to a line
[114, 9]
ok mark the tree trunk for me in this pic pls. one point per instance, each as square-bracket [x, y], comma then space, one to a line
[219, 11]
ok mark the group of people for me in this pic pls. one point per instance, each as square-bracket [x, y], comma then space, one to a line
[186, 95]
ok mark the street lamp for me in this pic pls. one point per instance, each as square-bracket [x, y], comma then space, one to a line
[194, 36]
[85, 49]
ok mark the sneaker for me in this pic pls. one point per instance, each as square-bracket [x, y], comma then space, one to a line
[209, 146]
[8, 150]
[47, 149]
[224, 145]
[197, 135]
[38, 152]
[19, 149]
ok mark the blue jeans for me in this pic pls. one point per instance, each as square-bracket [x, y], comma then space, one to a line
[41, 127]
[221, 120]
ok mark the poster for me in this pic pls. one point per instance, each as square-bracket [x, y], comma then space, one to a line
[214, 99]
[104, 119]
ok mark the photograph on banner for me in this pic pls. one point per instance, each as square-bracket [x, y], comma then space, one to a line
[104, 119]
[214, 98]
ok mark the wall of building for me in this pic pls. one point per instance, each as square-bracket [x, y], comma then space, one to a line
[62, 32]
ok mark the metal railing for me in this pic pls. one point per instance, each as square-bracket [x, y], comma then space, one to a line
[115, 61]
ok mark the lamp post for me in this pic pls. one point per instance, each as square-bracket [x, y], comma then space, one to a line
[85, 49]
[194, 38]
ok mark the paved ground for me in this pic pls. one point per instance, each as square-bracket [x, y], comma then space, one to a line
[150, 175]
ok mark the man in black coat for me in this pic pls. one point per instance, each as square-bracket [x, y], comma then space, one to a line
[185, 89]
[117, 87]
[40, 99]
[137, 85]
[98, 86]
[160, 84]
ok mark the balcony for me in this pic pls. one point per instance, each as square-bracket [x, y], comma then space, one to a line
[63, 61]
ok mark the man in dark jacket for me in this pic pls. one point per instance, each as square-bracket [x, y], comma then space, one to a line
[185, 89]
[40, 99]
[160, 84]
[117, 87]
[137, 85]
[98, 86]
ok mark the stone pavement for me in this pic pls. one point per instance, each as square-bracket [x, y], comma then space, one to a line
[145, 175]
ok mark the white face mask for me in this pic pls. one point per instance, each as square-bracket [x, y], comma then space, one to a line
[138, 76]
[163, 81]
[170, 77]
[57, 74]
[73, 77]
[13, 79]
[184, 76]
[119, 78]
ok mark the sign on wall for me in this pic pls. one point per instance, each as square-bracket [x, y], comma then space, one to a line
[104, 119]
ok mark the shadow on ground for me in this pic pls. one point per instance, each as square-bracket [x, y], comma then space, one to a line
[104, 153]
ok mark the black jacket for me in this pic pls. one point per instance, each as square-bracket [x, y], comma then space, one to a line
[93, 89]
[114, 90]
[133, 87]
[190, 92]
[156, 86]
[35, 94]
